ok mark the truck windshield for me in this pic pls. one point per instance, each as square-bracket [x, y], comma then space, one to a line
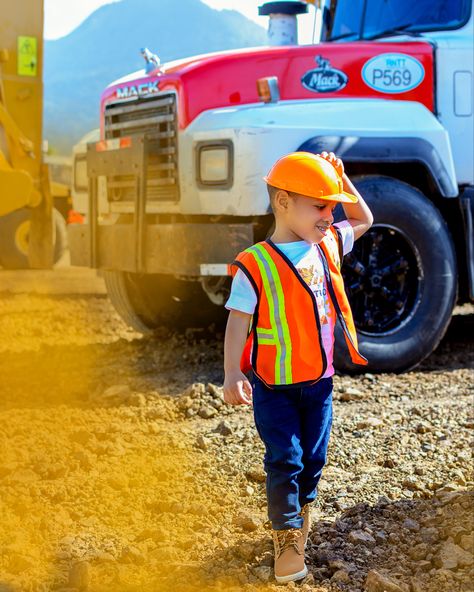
[369, 19]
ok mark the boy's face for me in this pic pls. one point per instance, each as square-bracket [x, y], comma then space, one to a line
[307, 217]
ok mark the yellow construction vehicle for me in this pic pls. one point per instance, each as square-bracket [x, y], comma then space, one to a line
[32, 231]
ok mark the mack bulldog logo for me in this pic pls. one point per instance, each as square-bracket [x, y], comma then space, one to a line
[139, 90]
[324, 79]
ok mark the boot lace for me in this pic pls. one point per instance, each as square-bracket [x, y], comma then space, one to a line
[288, 538]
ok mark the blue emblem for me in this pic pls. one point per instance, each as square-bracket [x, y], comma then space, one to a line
[324, 79]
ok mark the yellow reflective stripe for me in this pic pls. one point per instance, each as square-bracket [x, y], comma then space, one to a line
[263, 341]
[276, 304]
[265, 336]
[271, 307]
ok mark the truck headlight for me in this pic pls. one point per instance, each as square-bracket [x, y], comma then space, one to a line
[215, 164]
[80, 173]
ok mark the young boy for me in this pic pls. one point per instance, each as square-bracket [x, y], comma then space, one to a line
[286, 294]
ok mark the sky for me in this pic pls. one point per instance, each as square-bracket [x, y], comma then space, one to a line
[62, 16]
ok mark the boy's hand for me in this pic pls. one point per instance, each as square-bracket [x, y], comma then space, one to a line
[334, 160]
[237, 389]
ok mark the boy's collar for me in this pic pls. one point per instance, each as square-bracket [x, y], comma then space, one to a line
[269, 240]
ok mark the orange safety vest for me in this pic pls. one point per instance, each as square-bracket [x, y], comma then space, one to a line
[285, 330]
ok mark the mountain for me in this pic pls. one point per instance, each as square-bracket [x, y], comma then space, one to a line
[107, 45]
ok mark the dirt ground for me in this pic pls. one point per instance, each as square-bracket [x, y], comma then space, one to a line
[121, 469]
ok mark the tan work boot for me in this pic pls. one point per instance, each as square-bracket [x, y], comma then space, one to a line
[289, 555]
[306, 513]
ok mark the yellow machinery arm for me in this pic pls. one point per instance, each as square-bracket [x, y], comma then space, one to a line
[24, 179]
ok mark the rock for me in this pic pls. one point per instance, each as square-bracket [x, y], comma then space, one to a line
[415, 586]
[256, 474]
[247, 522]
[156, 413]
[207, 412]
[341, 575]
[79, 575]
[380, 537]
[339, 564]
[185, 402]
[393, 538]
[216, 403]
[352, 394]
[263, 573]
[370, 422]
[215, 391]
[383, 501]
[246, 551]
[448, 488]
[195, 390]
[451, 556]
[359, 537]
[377, 582]
[467, 542]
[201, 442]
[410, 524]
[413, 484]
[422, 428]
[136, 400]
[224, 428]
[132, 555]
[418, 552]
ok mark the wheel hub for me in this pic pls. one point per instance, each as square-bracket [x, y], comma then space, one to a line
[382, 279]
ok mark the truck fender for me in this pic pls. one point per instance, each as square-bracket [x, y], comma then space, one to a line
[387, 150]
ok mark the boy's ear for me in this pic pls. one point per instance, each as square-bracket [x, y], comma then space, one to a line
[281, 199]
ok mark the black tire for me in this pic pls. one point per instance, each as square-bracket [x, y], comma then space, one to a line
[14, 231]
[403, 296]
[150, 302]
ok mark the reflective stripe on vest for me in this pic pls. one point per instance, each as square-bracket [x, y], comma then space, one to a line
[279, 334]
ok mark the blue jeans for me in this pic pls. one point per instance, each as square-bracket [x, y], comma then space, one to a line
[295, 425]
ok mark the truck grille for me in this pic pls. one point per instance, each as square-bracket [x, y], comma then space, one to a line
[156, 117]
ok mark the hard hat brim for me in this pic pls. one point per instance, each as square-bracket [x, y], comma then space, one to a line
[342, 197]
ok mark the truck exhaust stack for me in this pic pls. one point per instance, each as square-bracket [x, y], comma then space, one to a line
[282, 25]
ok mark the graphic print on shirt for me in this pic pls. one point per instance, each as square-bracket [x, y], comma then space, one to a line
[315, 280]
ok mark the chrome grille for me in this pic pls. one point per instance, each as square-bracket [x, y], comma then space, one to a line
[156, 117]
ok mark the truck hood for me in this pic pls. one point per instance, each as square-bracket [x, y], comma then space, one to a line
[385, 70]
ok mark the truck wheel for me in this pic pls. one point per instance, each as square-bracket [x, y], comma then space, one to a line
[148, 302]
[401, 279]
[14, 238]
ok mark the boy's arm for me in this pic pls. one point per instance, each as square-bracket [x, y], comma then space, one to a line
[358, 214]
[237, 389]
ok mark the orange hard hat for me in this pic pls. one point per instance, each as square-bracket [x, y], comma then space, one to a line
[308, 174]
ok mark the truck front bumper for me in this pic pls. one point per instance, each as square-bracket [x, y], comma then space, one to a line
[177, 249]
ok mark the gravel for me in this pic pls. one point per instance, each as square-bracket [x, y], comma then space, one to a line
[121, 468]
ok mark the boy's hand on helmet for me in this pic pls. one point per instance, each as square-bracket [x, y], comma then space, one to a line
[335, 161]
[237, 389]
